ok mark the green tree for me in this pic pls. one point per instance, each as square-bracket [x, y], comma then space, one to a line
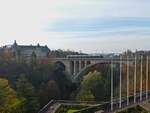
[26, 90]
[92, 87]
[33, 60]
[24, 87]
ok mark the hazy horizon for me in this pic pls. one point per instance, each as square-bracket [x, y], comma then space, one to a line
[92, 26]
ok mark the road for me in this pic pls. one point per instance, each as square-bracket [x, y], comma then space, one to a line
[131, 103]
[53, 105]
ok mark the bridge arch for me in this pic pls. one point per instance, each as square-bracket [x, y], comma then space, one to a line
[60, 65]
[76, 66]
[84, 70]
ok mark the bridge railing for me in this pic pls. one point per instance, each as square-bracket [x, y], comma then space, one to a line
[116, 59]
[46, 107]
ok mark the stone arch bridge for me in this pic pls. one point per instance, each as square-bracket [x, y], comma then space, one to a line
[139, 65]
[75, 66]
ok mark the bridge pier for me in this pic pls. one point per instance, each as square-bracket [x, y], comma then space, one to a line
[85, 63]
[77, 67]
[74, 70]
[80, 65]
[71, 67]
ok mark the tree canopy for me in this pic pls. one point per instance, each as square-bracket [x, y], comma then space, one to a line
[9, 101]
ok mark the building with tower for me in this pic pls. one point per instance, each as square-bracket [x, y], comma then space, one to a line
[25, 52]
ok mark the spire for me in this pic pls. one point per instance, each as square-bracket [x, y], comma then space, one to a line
[15, 43]
[38, 45]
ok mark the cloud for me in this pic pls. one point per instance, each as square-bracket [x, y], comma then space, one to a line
[97, 24]
[89, 25]
[105, 44]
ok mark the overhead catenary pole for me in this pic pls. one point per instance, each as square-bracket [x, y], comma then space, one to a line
[135, 81]
[120, 89]
[127, 80]
[147, 71]
[141, 78]
[112, 85]
[80, 65]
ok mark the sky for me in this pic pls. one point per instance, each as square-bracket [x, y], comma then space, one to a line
[91, 26]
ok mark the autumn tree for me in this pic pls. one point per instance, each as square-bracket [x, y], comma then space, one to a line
[9, 101]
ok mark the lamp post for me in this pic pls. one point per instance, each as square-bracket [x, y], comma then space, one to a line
[135, 81]
[127, 80]
[112, 85]
[120, 96]
[141, 78]
[147, 61]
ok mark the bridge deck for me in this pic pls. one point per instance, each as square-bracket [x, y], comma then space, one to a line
[107, 59]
